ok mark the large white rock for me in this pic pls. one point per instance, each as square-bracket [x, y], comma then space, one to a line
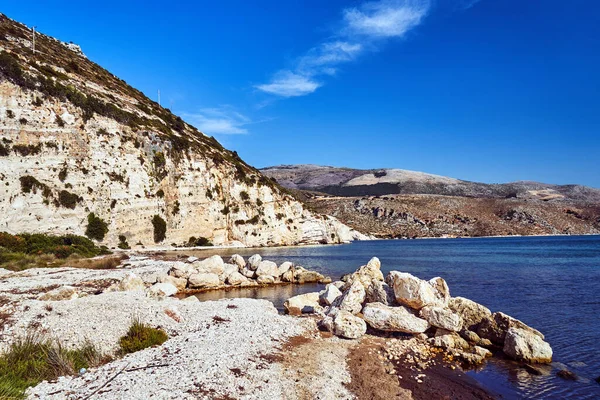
[303, 304]
[442, 318]
[229, 269]
[330, 294]
[472, 313]
[265, 279]
[268, 268]
[353, 298]
[494, 328]
[203, 280]
[181, 270]
[248, 273]
[212, 265]
[179, 283]
[62, 293]
[254, 262]
[284, 267]
[412, 291]
[523, 345]
[238, 260]
[131, 282]
[393, 319]
[236, 279]
[348, 326]
[366, 274]
[161, 290]
[380, 292]
[441, 288]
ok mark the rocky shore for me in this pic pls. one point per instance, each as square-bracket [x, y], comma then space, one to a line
[361, 337]
[406, 304]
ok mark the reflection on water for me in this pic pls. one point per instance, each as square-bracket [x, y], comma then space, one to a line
[550, 283]
[276, 294]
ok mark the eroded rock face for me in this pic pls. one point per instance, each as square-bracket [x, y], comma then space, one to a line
[348, 326]
[442, 318]
[303, 304]
[393, 319]
[524, 345]
[203, 281]
[471, 312]
[414, 292]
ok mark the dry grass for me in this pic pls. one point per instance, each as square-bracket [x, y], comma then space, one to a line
[111, 262]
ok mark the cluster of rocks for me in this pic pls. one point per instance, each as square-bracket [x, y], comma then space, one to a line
[214, 273]
[404, 303]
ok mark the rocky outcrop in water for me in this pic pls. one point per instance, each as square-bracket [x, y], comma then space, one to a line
[464, 328]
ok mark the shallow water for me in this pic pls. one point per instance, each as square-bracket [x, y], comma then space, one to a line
[550, 283]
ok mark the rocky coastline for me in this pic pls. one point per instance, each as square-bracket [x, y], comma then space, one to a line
[404, 330]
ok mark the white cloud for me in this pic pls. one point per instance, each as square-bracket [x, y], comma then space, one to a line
[362, 28]
[290, 84]
[223, 120]
[381, 19]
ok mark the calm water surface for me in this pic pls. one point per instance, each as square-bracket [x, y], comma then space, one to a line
[550, 283]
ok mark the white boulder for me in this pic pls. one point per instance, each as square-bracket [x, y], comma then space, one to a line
[254, 262]
[303, 304]
[212, 265]
[412, 291]
[203, 280]
[524, 345]
[393, 319]
[161, 290]
[238, 260]
[330, 294]
[267, 268]
[353, 298]
[348, 326]
[442, 318]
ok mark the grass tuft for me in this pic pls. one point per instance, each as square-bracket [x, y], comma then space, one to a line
[31, 360]
[141, 336]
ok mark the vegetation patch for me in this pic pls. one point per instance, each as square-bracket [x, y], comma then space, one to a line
[4, 150]
[23, 251]
[31, 185]
[62, 175]
[160, 228]
[196, 242]
[31, 360]
[27, 149]
[160, 163]
[176, 208]
[97, 228]
[68, 199]
[123, 243]
[141, 336]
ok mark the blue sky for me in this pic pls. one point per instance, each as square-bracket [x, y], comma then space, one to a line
[489, 90]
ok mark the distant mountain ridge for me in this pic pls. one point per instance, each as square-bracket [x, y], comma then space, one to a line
[348, 182]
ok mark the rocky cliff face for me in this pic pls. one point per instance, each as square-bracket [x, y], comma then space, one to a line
[75, 140]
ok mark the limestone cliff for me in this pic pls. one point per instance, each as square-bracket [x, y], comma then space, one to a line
[76, 140]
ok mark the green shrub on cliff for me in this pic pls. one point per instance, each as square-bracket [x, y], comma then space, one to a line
[160, 228]
[96, 228]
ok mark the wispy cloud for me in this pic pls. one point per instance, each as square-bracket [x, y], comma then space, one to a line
[466, 4]
[361, 30]
[223, 120]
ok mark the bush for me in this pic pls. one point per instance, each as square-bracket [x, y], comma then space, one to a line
[201, 241]
[10, 114]
[27, 149]
[160, 193]
[141, 336]
[226, 210]
[176, 208]
[123, 243]
[59, 121]
[31, 360]
[23, 121]
[68, 199]
[160, 229]
[259, 202]
[244, 195]
[62, 175]
[96, 228]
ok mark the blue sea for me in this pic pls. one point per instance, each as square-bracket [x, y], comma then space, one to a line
[550, 283]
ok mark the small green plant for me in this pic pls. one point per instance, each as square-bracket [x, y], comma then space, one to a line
[160, 228]
[176, 208]
[23, 121]
[10, 114]
[244, 195]
[201, 241]
[160, 193]
[141, 336]
[259, 202]
[27, 149]
[226, 210]
[62, 175]
[97, 228]
[37, 102]
[123, 243]
[59, 121]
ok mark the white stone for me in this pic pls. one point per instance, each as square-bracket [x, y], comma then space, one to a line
[179, 283]
[130, 282]
[267, 268]
[353, 298]
[238, 260]
[254, 262]
[192, 259]
[303, 304]
[284, 267]
[212, 265]
[181, 270]
[236, 279]
[61, 293]
[330, 294]
[471, 312]
[265, 279]
[203, 280]
[393, 319]
[524, 345]
[442, 318]
[412, 291]
[161, 290]
[348, 325]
